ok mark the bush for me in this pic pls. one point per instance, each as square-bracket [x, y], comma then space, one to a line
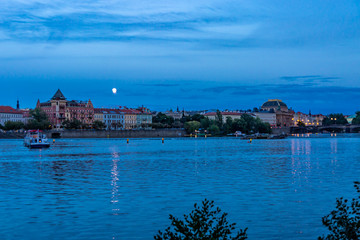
[344, 222]
[203, 223]
[10, 125]
[191, 126]
[214, 129]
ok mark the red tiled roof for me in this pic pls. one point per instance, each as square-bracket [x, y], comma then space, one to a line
[8, 109]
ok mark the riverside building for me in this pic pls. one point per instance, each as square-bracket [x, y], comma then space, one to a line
[225, 115]
[112, 118]
[58, 109]
[308, 119]
[284, 117]
[8, 113]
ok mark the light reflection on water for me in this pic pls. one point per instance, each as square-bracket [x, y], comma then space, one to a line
[105, 188]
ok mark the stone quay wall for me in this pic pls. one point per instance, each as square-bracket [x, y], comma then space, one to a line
[155, 133]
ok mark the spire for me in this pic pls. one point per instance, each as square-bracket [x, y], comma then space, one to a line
[58, 96]
[38, 103]
[17, 105]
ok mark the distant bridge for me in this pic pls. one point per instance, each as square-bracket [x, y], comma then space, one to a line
[331, 128]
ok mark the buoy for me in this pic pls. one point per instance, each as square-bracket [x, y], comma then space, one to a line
[53, 140]
[127, 140]
[162, 140]
[250, 140]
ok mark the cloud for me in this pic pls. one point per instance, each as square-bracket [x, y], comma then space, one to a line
[309, 79]
[117, 20]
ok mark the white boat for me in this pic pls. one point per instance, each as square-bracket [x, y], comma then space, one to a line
[36, 139]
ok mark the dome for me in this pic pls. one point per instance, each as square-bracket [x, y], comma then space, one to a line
[274, 104]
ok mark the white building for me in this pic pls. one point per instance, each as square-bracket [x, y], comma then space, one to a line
[8, 113]
[225, 115]
[113, 118]
[268, 117]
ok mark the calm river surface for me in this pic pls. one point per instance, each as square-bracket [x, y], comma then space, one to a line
[107, 189]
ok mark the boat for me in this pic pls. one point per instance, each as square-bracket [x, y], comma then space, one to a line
[36, 139]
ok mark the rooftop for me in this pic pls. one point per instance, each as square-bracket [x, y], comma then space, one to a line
[58, 95]
[8, 109]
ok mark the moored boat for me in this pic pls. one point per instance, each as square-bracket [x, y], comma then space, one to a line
[36, 139]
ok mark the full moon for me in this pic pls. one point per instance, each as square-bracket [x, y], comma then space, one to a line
[114, 90]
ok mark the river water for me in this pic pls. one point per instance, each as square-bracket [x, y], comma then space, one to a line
[108, 189]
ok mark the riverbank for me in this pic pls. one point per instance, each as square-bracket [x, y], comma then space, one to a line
[153, 133]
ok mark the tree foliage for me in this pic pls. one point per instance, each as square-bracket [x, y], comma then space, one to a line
[356, 120]
[73, 124]
[344, 221]
[214, 129]
[11, 125]
[191, 126]
[300, 124]
[39, 120]
[203, 223]
[161, 120]
[335, 118]
[219, 119]
[99, 125]
[247, 124]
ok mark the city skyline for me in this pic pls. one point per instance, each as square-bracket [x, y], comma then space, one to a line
[195, 55]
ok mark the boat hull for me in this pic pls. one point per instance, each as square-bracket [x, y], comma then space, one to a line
[45, 145]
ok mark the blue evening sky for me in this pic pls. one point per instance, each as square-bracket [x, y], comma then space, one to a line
[200, 54]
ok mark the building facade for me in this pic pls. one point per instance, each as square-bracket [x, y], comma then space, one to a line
[112, 118]
[8, 113]
[58, 109]
[225, 115]
[130, 117]
[268, 117]
[284, 115]
[308, 119]
[144, 118]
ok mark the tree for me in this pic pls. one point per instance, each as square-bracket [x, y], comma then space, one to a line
[248, 124]
[38, 115]
[197, 117]
[203, 223]
[335, 118]
[10, 125]
[344, 222]
[300, 124]
[219, 119]
[162, 121]
[356, 120]
[99, 125]
[39, 120]
[228, 125]
[73, 124]
[191, 126]
[205, 123]
[214, 129]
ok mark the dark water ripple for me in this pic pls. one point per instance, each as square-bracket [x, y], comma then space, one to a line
[107, 189]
